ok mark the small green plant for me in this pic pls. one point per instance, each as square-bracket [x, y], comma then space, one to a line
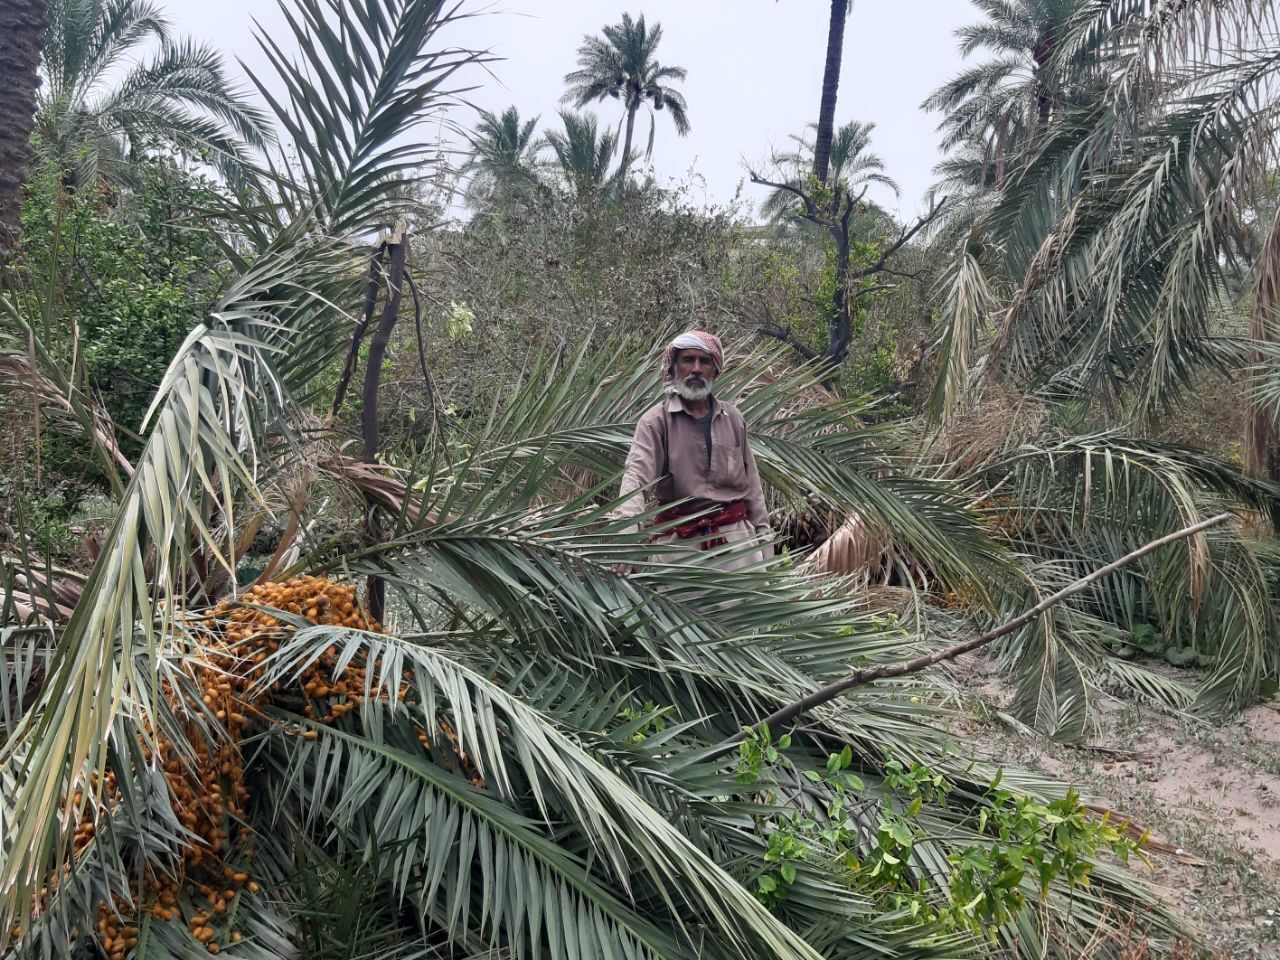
[458, 320]
[1026, 844]
[637, 725]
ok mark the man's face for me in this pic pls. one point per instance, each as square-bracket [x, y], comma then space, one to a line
[695, 369]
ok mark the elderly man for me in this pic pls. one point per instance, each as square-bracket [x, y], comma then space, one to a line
[691, 451]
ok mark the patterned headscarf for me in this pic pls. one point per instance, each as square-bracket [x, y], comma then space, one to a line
[691, 340]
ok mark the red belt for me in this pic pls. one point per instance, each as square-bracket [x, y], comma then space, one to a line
[735, 511]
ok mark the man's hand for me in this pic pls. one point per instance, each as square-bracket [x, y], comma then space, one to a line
[623, 569]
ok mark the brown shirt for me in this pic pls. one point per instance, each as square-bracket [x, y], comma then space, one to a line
[667, 433]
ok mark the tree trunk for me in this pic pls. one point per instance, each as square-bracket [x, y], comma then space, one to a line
[632, 109]
[21, 39]
[840, 325]
[1261, 450]
[1042, 53]
[830, 81]
[362, 326]
[397, 246]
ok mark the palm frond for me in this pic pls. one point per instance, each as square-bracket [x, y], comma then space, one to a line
[259, 354]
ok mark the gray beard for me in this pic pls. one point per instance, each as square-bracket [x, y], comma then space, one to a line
[692, 393]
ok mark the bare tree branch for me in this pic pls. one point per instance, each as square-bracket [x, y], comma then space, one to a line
[786, 337]
[810, 208]
[768, 326]
[905, 237]
[864, 675]
[873, 288]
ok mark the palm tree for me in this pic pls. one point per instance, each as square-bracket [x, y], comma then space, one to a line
[503, 160]
[1008, 99]
[1108, 252]
[620, 64]
[99, 102]
[830, 84]
[19, 64]
[584, 154]
[850, 162]
[529, 758]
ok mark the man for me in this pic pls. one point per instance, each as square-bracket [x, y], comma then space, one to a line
[691, 451]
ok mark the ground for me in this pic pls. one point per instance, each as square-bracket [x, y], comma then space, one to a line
[1211, 790]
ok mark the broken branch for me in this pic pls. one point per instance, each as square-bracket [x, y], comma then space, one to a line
[864, 675]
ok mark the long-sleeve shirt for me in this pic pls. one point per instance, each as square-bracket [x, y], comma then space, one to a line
[667, 434]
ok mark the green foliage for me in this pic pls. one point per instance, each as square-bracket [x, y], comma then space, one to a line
[1023, 845]
[132, 270]
[551, 266]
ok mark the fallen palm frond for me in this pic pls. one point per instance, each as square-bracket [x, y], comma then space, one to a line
[852, 550]
[1071, 504]
[48, 594]
[863, 676]
[67, 403]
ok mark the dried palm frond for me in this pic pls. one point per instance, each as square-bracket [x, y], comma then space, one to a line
[853, 550]
[72, 407]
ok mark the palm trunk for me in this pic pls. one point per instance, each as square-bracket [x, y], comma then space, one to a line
[1044, 98]
[1261, 450]
[632, 109]
[20, 42]
[830, 81]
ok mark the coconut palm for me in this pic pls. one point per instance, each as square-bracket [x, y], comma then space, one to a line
[850, 162]
[584, 153]
[20, 56]
[100, 101]
[621, 64]
[503, 160]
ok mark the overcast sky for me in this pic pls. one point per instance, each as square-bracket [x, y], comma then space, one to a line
[755, 72]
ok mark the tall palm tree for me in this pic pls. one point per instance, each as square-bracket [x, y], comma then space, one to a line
[100, 101]
[503, 159]
[850, 162]
[1005, 100]
[621, 64]
[830, 85]
[584, 153]
[20, 43]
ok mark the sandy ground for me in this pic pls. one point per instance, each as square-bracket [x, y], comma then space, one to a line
[1211, 790]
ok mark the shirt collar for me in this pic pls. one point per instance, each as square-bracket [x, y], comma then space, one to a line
[676, 405]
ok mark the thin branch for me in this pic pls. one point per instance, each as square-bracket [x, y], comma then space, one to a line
[786, 337]
[864, 675]
[766, 327]
[422, 361]
[904, 274]
[357, 336]
[934, 211]
[810, 208]
[873, 288]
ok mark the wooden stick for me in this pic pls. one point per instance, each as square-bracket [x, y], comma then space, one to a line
[865, 675]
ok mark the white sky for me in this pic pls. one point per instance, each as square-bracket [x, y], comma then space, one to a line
[755, 72]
